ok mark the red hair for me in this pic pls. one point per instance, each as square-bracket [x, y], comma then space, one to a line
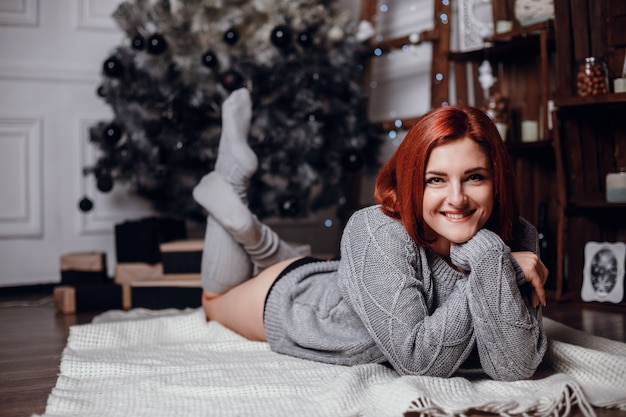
[400, 182]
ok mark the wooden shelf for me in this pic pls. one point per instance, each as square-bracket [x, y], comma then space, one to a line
[522, 32]
[525, 41]
[599, 100]
[595, 204]
[540, 145]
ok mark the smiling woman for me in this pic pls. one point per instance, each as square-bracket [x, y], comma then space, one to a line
[458, 197]
[430, 280]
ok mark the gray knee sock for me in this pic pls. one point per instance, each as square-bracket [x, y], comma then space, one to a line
[264, 245]
[236, 162]
[261, 243]
[234, 237]
[225, 264]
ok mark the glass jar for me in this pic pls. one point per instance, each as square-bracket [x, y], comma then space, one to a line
[592, 77]
[616, 186]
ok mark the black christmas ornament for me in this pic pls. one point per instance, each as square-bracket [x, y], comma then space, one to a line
[138, 42]
[209, 59]
[178, 155]
[315, 116]
[156, 44]
[281, 36]
[351, 161]
[288, 205]
[305, 39]
[112, 133]
[232, 80]
[104, 182]
[113, 67]
[85, 205]
[231, 36]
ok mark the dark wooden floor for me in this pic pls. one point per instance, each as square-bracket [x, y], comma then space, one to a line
[33, 337]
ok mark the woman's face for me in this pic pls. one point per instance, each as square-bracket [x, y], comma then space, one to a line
[458, 193]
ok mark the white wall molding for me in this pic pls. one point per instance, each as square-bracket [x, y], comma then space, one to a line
[21, 208]
[96, 15]
[47, 72]
[19, 12]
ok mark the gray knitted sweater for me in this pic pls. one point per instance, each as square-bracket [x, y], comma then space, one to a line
[389, 300]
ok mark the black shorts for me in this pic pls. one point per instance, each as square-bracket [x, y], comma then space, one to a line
[295, 264]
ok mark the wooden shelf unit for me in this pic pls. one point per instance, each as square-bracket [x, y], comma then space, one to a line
[536, 69]
[590, 137]
[522, 60]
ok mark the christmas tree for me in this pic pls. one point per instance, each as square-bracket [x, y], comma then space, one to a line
[302, 62]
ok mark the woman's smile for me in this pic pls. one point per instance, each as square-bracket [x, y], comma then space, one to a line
[458, 216]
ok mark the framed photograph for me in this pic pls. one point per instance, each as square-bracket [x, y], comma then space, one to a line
[603, 273]
[475, 23]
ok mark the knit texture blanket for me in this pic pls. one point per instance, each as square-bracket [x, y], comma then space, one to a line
[174, 363]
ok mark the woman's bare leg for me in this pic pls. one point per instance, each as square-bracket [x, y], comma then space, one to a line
[241, 308]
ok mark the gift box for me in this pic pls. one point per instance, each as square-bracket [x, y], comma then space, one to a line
[139, 240]
[129, 272]
[161, 294]
[83, 268]
[70, 299]
[182, 259]
[145, 285]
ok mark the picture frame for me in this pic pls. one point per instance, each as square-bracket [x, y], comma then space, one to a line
[603, 272]
[475, 23]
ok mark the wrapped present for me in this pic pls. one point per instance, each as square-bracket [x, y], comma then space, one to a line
[129, 272]
[161, 294]
[182, 259]
[84, 268]
[145, 285]
[70, 299]
[139, 240]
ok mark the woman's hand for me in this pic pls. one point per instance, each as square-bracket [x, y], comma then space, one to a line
[535, 273]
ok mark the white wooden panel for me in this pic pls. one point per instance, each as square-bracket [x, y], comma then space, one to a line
[47, 71]
[403, 17]
[109, 208]
[20, 177]
[400, 79]
[400, 86]
[19, 12]
[96, 15]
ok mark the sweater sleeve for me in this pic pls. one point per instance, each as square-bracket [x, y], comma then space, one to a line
[509, 336]
[390, 288]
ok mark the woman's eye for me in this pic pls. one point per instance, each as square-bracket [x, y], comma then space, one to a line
[476, 177]
[434, 180]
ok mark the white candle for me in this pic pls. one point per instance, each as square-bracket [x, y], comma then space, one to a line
[504, 26]
[616, 186]
[530, 131]
[619, 85]
[502, 128]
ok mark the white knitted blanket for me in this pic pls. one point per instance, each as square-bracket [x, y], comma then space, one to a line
[174, 363]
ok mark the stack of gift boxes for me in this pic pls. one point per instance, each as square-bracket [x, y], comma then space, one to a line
[157, 267]
[85, 284]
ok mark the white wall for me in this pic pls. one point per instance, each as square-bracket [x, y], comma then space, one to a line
[50, 58]
[51, 52]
